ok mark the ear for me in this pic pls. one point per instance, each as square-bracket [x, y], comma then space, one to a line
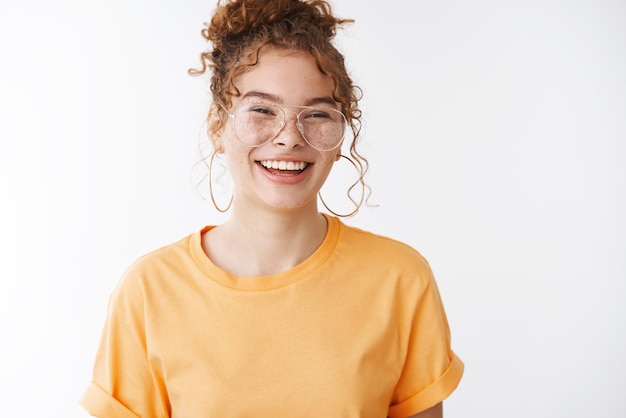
[215, 128]
[338, 157]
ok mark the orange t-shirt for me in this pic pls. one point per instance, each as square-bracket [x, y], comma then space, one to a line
[356, 330]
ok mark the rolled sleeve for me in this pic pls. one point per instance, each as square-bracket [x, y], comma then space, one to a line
[101, 404]
[431, 371]
[433, 394]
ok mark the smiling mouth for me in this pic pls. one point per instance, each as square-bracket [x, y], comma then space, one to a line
[284, 168]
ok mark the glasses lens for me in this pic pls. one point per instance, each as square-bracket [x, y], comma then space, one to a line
[322, 128]
[257, 123]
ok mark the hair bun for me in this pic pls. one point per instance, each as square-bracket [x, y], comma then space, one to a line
[235, 18]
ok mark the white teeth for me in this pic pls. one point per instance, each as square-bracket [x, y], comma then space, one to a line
[284, 165]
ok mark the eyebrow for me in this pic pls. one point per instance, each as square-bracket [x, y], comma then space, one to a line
[277, 99]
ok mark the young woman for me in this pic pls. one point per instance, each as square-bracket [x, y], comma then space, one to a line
[280, 311]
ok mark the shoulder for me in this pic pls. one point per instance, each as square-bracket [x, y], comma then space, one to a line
[155, 269]
[379, 246]
[171, 254]
[383, 259]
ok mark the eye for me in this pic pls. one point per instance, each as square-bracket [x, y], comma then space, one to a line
[262, 109]
[317, 113]
[323, 115]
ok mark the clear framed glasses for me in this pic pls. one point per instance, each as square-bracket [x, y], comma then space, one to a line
[257, 123]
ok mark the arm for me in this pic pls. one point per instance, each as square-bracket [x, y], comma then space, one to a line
[434, 412]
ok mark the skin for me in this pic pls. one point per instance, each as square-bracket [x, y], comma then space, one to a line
[434, 412]
[274, 223]
[270, 210]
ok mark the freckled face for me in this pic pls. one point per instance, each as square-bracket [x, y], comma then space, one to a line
[285, 173]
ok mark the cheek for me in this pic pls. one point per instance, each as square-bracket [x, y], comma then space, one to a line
[232, 147]
[237, 157]
[328, 163]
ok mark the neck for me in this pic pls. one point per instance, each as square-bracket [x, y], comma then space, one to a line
[265, 243]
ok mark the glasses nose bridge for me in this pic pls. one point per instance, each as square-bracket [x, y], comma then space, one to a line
[287, 112]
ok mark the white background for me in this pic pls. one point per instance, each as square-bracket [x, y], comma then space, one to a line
[496, 131]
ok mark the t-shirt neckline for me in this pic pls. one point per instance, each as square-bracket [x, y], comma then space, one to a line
[265, 283]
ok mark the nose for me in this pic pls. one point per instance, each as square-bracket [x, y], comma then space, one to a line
[290, 136]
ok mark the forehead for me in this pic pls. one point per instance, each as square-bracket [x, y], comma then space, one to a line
[292, 77]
